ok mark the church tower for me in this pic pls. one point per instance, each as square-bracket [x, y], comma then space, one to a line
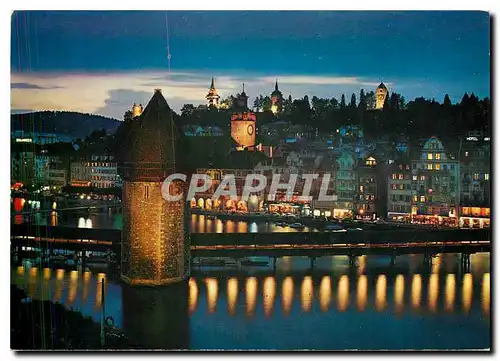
[276, 99]
[243, 123]
[381, 94]
[212, 96]
[153, 236]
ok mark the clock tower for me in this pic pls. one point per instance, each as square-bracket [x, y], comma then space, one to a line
[381, 94]
[243, 123]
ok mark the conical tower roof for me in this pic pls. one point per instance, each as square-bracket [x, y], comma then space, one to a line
[382, 86]
[149, 146]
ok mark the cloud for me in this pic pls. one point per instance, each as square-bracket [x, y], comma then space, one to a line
[111, 94]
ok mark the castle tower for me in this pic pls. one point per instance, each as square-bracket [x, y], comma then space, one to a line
[276, 99]
[243, 123]
[381, 94]
[212, 96]
[153, 235]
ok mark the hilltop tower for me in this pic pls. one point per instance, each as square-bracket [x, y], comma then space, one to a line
[276, 99]
[212, 96]
[153, 236]
[243, 123]
[136, 110]
[381, 94]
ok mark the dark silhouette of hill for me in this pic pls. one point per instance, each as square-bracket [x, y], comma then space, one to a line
[74, 124]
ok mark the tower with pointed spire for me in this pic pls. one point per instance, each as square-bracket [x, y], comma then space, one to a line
[243, 123]
[381, 94]
[212, 96]
[153, 234]
[276, 99]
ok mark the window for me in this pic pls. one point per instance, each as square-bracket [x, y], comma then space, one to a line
[429, 156]
[422, 198]
[452, 166]
[361, 188]
[414, 165]
[445, 167]
[429, 166]
[438, 156]
[476, 176]
[438, 166]
[393, 175]
[400, 176]
[466, 154]
[415, 198]
[486, 176]
[394, 186]
[415, 177]
[401, 187]
[422, 177]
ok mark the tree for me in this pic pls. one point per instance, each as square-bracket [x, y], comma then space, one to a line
[342, 101]
[127, 116]
[447, 101]
[362, 100]
[187, 110]
[370, 100]
[352, 104]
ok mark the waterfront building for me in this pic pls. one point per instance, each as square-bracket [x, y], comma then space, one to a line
[346, 184]
[399, 190]
[80, 174]
[435, 185]
[381, 94]
[367, 192]
[475, 184]
[57, 173]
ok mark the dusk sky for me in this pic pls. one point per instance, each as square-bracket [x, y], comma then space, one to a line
[103, 62]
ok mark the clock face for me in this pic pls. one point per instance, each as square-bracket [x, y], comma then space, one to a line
[175, 188]
[250, 129]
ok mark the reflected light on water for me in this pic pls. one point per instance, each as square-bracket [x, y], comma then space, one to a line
[201, 223]
[251, 295]
[486, 293]
[219, 226]
[467, 293]
[343, 293]
[46, 274]
[287, 294]
[416, 291]
[212, 293]
[361, 264]
[253, 227]
[381, 293]
[86, 285]
[193, 295]
[306, 294]
[362, 293]
[232, 295]
[81, 222]
[72, 286]
[60, 274]
[325, 293]
[20, 270]
[399, 293]
[242, 227]
[450, 290]
[33, 273]
[436, 263]
[269, 294]
[53, 219]
[433, 292]
[59, 284]
[229, 226]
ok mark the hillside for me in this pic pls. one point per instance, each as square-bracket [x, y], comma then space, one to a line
[73, 124]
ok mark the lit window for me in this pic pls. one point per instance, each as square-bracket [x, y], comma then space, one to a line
[394, 186]
[415, 198]
[422, 177]
[429, 156]
[438, 156]
[400, 176]
[438, 166]
[361, 188]
[486, 176]
[415, 177]
[422, 198]
[429, 166]
[393, 175]
[476, 176]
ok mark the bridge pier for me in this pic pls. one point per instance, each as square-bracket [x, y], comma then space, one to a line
[393, 259]
[352, 260]
[465, 262]
[274, 263]
[313, 262]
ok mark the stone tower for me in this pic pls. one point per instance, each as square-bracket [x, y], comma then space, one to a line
[381, 94]
[243, 123]
[212, 96]
[154, 237]
[276, 99]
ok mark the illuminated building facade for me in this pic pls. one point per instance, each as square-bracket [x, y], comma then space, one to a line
[365, 205]
[345, 185]
[153, 235]
[381, 94]
[399, 190]
[435, 185]
[212, 96]
[243, 123]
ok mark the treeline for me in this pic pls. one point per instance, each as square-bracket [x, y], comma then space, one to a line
[419, 118]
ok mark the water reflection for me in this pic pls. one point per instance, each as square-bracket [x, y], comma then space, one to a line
[193, 295]
[486, 293]
[433, 291]
[269, 293]
[399, 293]
[251, 295]
[325, 293]
[306, 294]
[416, 291]
[450, 289]
[212, 293]
[380, 293]
[343, 293]
[232, 295]
[287, 295]
[467, 292]
[362, 293]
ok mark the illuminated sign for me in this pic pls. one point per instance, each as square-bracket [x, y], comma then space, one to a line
[24, 140]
